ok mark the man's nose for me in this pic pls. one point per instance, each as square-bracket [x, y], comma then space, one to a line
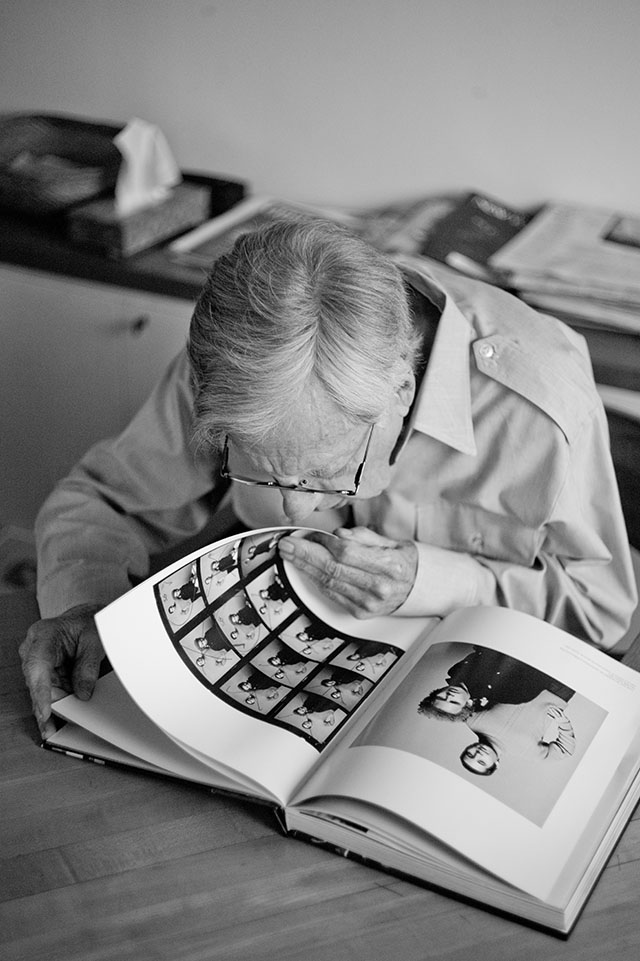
[298, 505]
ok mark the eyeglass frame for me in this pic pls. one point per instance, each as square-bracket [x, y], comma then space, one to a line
[300, 488]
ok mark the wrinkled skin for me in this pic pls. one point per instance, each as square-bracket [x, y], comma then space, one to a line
[366, 573]
[61, 655]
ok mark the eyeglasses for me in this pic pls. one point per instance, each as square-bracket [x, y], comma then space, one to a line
[303, 485]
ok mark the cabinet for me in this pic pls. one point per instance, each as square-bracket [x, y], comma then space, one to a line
[76, 361]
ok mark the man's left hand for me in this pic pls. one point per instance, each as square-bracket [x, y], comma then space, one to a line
[366, 573]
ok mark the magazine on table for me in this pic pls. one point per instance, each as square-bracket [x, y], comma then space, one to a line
[229, 669]
[587, 251]
[471, 233]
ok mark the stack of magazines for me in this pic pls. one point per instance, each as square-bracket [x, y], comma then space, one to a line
[579, 263]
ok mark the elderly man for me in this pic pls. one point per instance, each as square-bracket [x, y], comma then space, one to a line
[452, 435]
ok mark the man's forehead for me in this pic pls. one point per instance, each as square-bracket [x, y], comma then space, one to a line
[309, 440]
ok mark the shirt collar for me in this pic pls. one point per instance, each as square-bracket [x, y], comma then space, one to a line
[442, 408]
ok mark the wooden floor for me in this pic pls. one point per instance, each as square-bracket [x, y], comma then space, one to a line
[102, 865]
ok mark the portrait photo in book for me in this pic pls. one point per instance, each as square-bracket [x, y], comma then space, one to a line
[210, 649]
[220, 569]
[181, 597]
[283, 663]
[237, 622]
[506, 728]
[311, 637]
[342, 686]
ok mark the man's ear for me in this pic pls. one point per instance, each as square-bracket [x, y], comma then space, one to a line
[405, 393]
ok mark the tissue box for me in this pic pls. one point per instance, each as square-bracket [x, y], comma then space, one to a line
[97, 224]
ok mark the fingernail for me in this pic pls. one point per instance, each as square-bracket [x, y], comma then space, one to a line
[286, 547]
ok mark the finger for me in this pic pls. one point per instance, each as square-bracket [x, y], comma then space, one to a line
[379, 589]
[364, 535]
[323, 538]
[353, 599]
[311, 556]
[370, 578]
[87, 663]
[364, 549]
[324, 566]
[37, 667]
[322, 552]
[40, 691]
[307, 551]
[345, 539]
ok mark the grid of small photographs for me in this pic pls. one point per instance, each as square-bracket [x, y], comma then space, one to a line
[240, 628]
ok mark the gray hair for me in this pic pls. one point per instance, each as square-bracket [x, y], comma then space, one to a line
[295, 305]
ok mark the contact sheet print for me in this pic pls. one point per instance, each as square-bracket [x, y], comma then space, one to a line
[237, 623]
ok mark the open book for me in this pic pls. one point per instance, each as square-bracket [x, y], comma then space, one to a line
[488, 753]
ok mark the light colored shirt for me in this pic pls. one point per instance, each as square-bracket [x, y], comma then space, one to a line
[505, 473]
[536, 729]
[508, 468]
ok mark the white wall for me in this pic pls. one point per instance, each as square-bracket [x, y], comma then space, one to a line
[353, 101]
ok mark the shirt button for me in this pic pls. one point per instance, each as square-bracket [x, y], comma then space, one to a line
[487, 351]
[476, 541]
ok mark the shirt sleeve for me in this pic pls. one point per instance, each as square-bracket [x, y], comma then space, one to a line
[128, 498]
[581, 578]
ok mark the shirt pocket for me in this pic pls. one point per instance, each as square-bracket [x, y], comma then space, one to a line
[474, 530]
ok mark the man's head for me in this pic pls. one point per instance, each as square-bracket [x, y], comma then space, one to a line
[451, 702]
[301, 340]
[480, 758]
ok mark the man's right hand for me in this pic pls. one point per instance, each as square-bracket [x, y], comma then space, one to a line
[61, 652]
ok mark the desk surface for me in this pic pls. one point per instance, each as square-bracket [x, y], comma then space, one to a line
[103, 865]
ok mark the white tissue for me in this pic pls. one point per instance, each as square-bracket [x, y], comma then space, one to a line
[148, 170]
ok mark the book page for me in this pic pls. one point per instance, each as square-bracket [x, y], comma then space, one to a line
[240, 661]
[111, 727]
[522, 768]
